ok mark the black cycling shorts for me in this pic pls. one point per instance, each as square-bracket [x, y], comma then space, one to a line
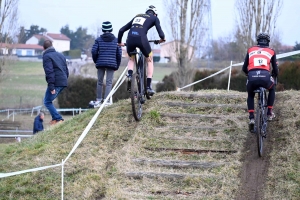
[259, 78]
[141, 42]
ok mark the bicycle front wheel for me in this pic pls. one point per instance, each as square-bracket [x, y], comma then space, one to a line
[136, 96]
[259, 134]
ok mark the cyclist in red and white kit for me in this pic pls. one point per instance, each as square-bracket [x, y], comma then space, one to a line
[257, 68]
[137, 37]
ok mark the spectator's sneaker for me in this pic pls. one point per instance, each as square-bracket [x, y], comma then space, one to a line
[251, 125]
[271, 117]
[129, 83]
[52, 122]
[97, 104]
[59, 121]
[150, 91]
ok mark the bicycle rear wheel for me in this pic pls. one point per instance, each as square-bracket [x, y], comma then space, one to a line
[259, 137]
[145, 78]
[135, 96]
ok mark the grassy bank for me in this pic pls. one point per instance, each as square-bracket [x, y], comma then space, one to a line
[185, 147]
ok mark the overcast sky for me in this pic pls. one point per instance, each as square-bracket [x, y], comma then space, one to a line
[54, 14]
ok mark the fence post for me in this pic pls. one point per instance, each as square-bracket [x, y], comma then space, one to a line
[62, 179]
[79, 110]
[229, 76]
[13, 116]
[7, 113]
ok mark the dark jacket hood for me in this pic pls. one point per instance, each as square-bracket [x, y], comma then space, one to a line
[108, 37]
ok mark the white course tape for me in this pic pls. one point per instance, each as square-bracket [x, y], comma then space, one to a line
[279, 56]
[204, 78]
[91, 123]
[3, 175]
[86, 130]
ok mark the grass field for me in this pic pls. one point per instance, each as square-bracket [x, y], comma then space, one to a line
[23, 85]
[159, 71]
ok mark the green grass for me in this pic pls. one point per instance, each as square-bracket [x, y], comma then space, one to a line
[23, 85]
[159, 71]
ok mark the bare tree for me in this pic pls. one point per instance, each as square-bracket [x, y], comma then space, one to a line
[186, 26]
[8, 23]
[255, 16]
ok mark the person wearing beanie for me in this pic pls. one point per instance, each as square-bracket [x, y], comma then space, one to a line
[257, 66]
[107, 56]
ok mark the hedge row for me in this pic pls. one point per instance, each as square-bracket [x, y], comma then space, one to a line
[82, 90]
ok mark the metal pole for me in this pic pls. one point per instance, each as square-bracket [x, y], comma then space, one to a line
[13, 116]
[62, 179]
[229, 76]
[7, 113]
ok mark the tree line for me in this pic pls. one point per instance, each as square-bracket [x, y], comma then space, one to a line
[80, 39]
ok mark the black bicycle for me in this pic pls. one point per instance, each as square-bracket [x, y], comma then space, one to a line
[138, 90]
[261, 119]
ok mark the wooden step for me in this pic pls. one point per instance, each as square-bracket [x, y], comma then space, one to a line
[193, 127]
[173, 176]
[177, 163]
[193, 151]
[185, 115]
[203, 105]
[209, 139]
[207, 96]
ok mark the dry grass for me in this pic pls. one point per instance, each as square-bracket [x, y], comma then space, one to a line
[284, 172]
[99, 166]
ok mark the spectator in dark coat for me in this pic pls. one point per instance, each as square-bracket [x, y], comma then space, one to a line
[57, 73]
[38, 123]
[107, 57]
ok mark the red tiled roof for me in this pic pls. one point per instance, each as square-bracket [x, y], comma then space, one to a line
[28, 46]
[38, 36]
[21, 46]
[58, 36]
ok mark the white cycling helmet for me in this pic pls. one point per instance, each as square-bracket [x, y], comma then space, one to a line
[152, 8]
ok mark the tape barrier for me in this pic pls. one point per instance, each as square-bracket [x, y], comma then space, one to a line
[3, 175]
[86, 130]
[91, 123]
[279, 56]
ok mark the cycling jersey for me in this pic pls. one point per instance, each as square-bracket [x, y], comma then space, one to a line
[259, 58]
[137, 36]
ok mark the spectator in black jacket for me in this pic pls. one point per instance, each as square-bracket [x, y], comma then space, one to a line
[38, 123]
[107, 57]
[57, 73]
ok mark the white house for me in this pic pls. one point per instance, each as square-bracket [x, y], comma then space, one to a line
[168, 51]
[60, 41]
[21, 49]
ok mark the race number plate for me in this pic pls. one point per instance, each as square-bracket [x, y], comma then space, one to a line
[139, 20]
[260, 62]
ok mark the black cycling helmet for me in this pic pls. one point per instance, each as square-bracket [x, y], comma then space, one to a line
[263, 37]
[151, 10]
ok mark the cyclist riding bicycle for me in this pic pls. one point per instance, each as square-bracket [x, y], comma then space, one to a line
[137, 37]
[257, 68]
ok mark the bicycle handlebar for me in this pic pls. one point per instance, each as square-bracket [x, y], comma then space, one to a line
[154, 41]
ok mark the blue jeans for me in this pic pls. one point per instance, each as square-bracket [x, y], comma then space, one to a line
[49, 105]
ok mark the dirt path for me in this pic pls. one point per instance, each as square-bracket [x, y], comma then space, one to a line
[255, 169]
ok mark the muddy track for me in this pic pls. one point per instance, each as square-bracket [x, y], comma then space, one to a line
[255, 169]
